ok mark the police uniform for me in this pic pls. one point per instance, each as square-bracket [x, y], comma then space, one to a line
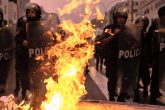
[22, 58]
[4, 68]
[111, 56]
[157, 52]
[145, 56]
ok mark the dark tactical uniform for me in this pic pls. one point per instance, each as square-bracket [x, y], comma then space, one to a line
[111, 52]
[157, 55]
[22, 58]
[145, 56]
[4, 64]
[40, 38]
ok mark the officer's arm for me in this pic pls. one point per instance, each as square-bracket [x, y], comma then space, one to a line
[20, 36]
[109, 35]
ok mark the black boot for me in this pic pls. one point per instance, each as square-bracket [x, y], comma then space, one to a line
[111, 98]
[153, 100]
[136, 96]
[24, 96]
[121, 97]
[145, 93]
[2, 92]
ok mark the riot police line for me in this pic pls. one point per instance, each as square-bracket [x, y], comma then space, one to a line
[130, 53]
[127, 58]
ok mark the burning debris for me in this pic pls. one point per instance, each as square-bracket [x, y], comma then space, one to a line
[8, 103]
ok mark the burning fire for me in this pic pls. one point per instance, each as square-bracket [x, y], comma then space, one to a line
[72, 55]
[65, 91]
[66, 86]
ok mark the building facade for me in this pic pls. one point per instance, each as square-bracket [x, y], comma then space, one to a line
[150, 8]
[4, 7]
[13, 9]
[12, 12]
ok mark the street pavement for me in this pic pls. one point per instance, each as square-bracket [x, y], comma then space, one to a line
[100, 81]
[96, 86]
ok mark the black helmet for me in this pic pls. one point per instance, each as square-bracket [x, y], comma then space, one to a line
[155, 20]
[161, 11]
[138, 20]
[145, 21]
[21, 22]
[120, 12]
[35, 7]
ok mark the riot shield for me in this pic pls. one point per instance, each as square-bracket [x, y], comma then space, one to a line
[161, 61]
[54, 21]
[39, 39]
[7, 52]
[129, 57]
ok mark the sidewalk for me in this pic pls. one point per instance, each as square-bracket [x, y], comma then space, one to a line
[101, 81]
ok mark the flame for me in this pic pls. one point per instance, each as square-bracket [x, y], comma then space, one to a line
[66, 89]
[72, 57]
[66, 86]
[99, 14]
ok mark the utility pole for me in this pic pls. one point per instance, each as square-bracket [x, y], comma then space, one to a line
[132, 6]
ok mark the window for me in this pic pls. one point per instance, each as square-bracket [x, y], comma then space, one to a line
[137, 3]
[147, 10]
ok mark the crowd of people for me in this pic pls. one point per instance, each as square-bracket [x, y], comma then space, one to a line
[32, 39]
[129, 53]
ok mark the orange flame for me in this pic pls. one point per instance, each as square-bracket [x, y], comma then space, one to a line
[66, 88]
[72, 57]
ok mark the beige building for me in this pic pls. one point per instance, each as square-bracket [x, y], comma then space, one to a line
[13, 9]
[150, 8]
[4, 7]
[21, 7]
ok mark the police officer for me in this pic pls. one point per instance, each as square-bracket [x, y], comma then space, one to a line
[21, 64]
[33, 13]
[145, 58]
[110, 42]
[155, 55]
[3, 74]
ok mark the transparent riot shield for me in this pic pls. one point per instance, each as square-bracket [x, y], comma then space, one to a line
[39, 39]
[129, 57]
[161, 61]
[54, 21]
[7, 53]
